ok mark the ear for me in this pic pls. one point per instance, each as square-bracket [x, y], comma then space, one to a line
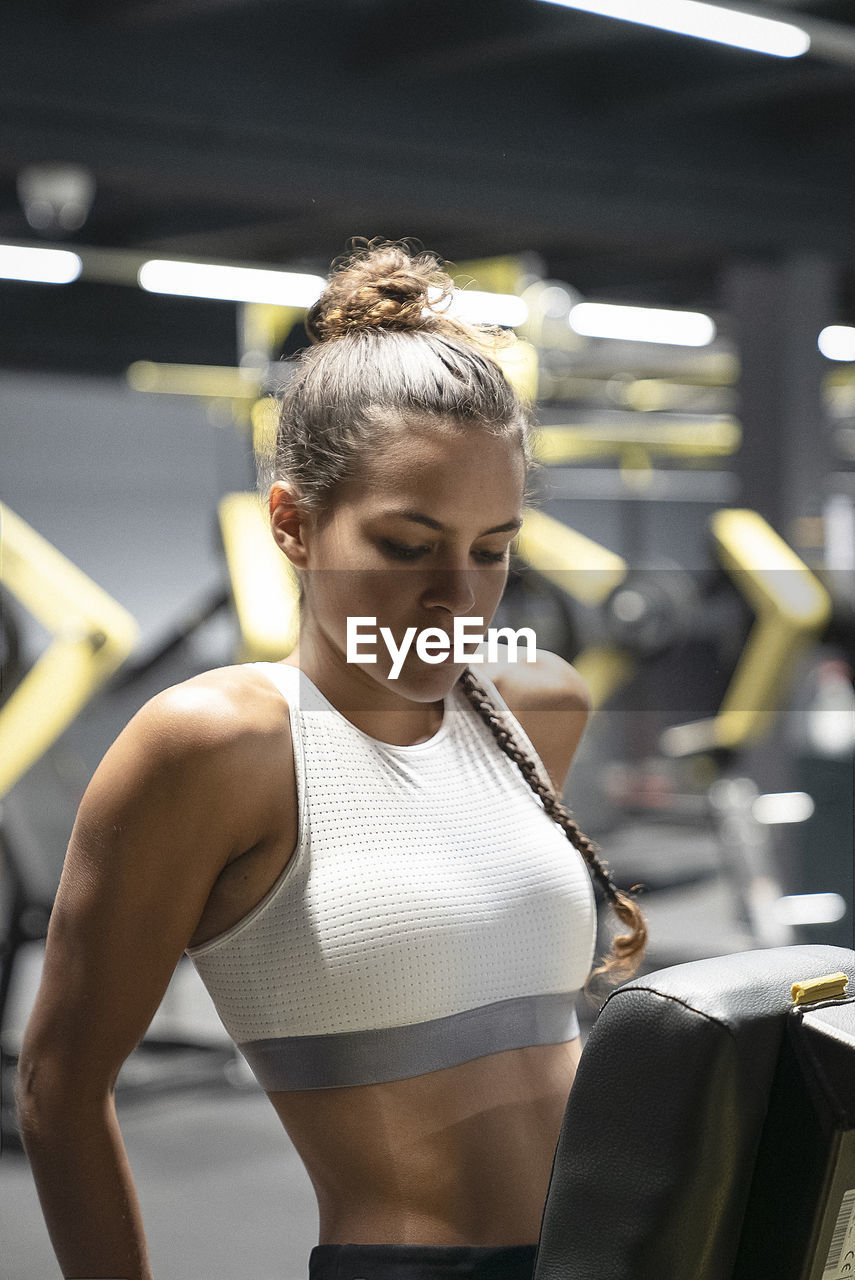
[288, 522]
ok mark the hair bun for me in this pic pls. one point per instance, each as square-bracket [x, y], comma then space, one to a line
[381, 284]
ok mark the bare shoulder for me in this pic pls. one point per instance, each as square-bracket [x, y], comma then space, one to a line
[551, 702]
[217, 708]
[211, 742]
[550, 683]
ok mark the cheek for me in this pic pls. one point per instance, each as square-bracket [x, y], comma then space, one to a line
[492, 583]
[377, 592]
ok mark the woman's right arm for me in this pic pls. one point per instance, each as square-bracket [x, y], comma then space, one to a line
[167, 808]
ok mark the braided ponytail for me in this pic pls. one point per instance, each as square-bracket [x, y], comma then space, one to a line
[627, 948]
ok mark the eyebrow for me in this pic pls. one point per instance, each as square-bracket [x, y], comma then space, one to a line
[418, 518]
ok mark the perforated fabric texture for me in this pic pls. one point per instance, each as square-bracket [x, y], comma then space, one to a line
[427, 882]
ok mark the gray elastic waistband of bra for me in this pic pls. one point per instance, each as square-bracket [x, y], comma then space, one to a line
[392, 1053]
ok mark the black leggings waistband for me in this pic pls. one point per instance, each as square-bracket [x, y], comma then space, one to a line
[421, 1262]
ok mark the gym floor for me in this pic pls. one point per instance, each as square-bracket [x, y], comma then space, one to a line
[223, 1192]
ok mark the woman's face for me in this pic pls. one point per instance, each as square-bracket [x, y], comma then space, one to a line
[420, 539]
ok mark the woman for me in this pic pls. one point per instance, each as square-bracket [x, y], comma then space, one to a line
[371, 872]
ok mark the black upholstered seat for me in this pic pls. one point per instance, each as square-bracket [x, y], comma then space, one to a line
[710, 1133]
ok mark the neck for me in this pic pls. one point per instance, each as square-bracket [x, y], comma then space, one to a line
[370, 705]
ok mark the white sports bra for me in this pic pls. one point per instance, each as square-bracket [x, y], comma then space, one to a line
[431, 912]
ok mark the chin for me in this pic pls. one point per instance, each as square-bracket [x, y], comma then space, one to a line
[427, 682]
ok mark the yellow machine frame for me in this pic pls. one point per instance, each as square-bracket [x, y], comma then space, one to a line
[93, 635]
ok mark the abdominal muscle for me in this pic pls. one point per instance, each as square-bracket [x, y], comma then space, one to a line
[460, 1156]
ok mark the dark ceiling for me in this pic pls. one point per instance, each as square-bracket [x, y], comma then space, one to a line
[637, 164]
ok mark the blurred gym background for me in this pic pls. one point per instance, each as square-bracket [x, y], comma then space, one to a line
[665, 221]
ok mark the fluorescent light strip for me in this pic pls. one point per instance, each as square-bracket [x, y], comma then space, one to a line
[290, 289]
[837, 342]
[40, 266]
[476, 307]
[642, 324]
[705, 21]
[810, 908]
[230, 284]
[783, 806]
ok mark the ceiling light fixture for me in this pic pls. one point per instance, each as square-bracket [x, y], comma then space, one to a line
[642, 324]
[40, 266]
[810, 908]
[56, 198]
[704, 21]
[837, 342]
[229, 284]
[474, 306]
[290, 289]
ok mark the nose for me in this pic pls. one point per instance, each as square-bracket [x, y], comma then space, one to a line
[451, 589]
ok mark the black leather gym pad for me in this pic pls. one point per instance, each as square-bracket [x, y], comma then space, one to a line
[665, 1127]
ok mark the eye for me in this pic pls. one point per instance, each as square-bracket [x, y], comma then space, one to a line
[401, 551]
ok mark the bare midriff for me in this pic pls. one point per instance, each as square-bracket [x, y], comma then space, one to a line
[460, 1156]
